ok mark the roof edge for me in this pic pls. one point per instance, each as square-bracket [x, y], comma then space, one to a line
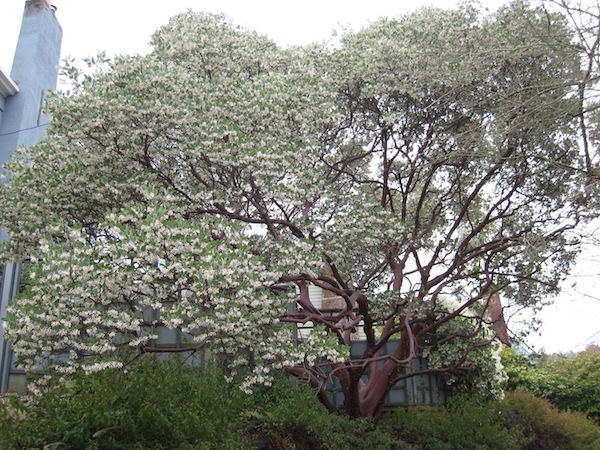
[7, 86]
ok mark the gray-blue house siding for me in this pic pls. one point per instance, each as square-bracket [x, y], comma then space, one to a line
[22, 123]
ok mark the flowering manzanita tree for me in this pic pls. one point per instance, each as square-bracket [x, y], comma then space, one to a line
[411, 171]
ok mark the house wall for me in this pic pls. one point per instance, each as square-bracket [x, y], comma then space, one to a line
[34, 71]
[22, 123]
[7, 88]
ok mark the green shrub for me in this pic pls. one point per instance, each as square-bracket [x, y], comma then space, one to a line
[543, 427]
[569, 383]
[520, 370]
[289, 415]
[573, 383]
[154, 405]
[468, 423]
[159, 406]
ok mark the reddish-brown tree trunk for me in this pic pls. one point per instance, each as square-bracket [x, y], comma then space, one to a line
[367, 399]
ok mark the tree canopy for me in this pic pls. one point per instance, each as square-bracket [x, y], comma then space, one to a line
[411, 171]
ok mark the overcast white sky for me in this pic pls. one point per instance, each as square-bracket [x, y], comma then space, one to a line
[121, 26]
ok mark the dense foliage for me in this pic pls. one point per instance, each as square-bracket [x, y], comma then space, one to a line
[519, 421]
[156, 406]
[153, 406]
[571, 383]
[467, 423]
[167, 406]
[410, 172]
[543, 427]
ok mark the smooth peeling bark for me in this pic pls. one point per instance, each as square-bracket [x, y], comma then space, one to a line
[367, 399]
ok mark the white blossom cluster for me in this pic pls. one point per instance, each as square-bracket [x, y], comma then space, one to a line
[482, 366]
[96, 296]
[209, 186]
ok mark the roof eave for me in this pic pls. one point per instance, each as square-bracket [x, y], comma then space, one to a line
[7, 86]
